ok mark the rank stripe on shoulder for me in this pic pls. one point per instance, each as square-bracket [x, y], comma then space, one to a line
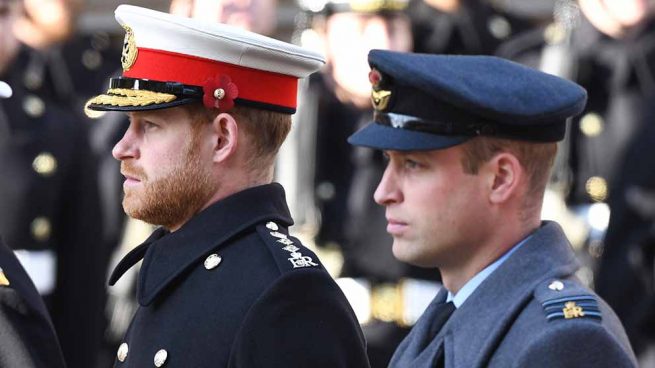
[581, 306]
[570, 298]
[559, 306]
[560, 315]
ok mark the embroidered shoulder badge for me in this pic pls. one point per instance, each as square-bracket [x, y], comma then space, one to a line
[297, 259]
[580, 306]
[567, 299]
[562, 299]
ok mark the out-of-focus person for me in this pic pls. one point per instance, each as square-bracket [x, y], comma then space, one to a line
[387, 295]
[78, 63]
[620, 153]
[259, 16]
[626, 274]
[222, 282]
[28, 338]
[49, 206]
[607, 47]
[467, 27]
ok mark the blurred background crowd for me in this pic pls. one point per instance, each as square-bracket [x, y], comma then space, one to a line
[60, 189]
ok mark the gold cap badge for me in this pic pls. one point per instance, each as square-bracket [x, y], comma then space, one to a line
[379, 97]
[130, 51]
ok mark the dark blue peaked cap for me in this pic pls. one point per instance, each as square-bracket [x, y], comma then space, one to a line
[426, 102]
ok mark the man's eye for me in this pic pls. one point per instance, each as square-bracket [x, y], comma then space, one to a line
[411, 164]
[148, 125]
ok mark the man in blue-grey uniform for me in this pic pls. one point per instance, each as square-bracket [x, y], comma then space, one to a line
[470, 141]
[222, 284]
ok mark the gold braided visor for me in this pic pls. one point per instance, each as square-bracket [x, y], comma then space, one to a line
[131, 97]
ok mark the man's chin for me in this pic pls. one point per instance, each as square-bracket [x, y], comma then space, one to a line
[405, 251]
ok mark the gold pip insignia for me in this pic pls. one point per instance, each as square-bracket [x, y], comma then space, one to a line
[130, 51]
[572, 310]
[380, 99]
[3, 279]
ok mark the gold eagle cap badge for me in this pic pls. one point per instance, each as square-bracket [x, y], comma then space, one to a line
[379, 97]
[130, 51]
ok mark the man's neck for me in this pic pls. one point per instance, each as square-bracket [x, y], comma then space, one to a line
[456, 276]
[223, 191]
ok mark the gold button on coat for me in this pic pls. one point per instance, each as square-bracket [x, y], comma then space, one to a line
[592, 124]
[160, 358]
[596, 188]
[212, 261]
[121, 354]
[45, 164]
[41, 228]
[33, 106]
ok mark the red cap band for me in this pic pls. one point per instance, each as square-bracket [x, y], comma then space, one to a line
[253, 84]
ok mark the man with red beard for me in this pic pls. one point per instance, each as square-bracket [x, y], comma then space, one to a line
[222, 284]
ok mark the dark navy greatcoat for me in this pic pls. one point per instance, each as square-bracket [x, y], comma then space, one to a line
[49, 202]
[232, 289]
[27, 339]
[516, 318]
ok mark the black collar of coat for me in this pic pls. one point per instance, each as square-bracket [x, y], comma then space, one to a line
[167, 255]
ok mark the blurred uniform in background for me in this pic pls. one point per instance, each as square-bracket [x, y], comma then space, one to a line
[28, 338]
[259, 16]
[620, 151]
[387, 295]
[467, 27]
[49, 206]
[608, 48]
[625, 276]
[337, 103]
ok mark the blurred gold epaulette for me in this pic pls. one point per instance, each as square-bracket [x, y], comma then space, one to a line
[371, 6]
[4, 281]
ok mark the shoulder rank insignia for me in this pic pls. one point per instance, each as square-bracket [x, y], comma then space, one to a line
[565, 299]
[297, 259]
[572, 307]
[3, 279]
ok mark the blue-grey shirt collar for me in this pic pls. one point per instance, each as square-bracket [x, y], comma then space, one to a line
[470, 286]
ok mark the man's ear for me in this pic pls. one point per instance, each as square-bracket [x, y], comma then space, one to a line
[225, 137]
[507, 174]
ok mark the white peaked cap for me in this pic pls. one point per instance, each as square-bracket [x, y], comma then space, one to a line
[170, 60]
